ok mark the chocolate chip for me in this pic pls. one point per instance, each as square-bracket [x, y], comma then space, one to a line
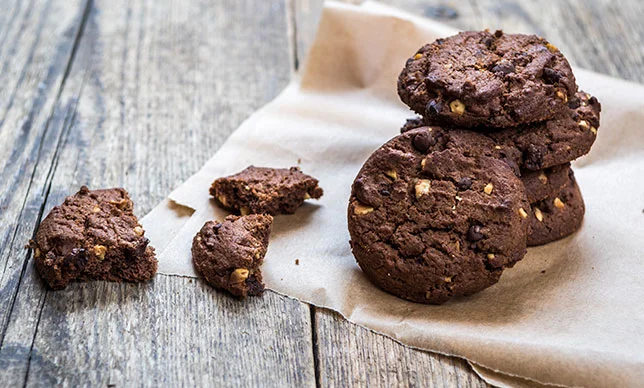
[474, 233]
[488, 41]
[551, 76]
[216, 227]
[423, 141]
[534, 157]
[504, 67]
[593, 100]
[432, 108]
[498, 33]
[464, 183]
[574, 103]
[384, 192]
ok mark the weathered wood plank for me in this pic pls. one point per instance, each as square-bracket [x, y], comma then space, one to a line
[599, 35]
[350, 355]
[37, 43]
[155, 89]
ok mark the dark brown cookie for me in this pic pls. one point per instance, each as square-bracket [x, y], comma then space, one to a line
[258, 190]
[487, 79]
[229, 254]
[557, 216]
[545, 183]
[93, 235]
[549, 143]
[429, 221]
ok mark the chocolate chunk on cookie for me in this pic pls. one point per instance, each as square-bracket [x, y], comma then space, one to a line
[93, 235]
[557, 216]
[228, 254]
[545, 183]
[430, 220]
[258, 190]
[549, 143]
[487, 79]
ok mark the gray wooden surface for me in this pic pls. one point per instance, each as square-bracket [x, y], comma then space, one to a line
[139, 94]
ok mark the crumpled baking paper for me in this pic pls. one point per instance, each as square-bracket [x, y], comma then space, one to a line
[570, 313]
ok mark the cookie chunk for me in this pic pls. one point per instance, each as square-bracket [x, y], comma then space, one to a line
[557, 216]
[487, 79]
[93, 235]
[545, 183]
[429, 220]
[258, 190]
[229, 254]
[549, 143]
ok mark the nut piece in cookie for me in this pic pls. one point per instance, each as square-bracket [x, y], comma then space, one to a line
[93, 235]
[229, 254]
[450, 223]
[260, 190]
[487, 79]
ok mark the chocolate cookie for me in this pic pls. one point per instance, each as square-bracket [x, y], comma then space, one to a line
[228, 254]
[487, 79]
[549, 143]
[545, 183]
[93, 235]
[557, 216]
[258, 190]
[429, 221]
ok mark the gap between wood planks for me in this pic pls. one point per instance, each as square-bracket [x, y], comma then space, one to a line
[48, 180]
[52, 168]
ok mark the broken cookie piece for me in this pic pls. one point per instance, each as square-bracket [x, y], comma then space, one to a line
[259, 190]
[228, 254]
[93, 235]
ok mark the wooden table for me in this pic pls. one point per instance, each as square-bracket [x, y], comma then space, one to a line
[140, 94]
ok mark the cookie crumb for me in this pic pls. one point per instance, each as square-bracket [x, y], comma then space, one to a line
[297, 261]
[543, 271]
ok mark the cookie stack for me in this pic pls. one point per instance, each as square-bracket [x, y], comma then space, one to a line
[442, 209]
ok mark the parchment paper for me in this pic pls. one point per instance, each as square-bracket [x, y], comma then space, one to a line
[579, 323]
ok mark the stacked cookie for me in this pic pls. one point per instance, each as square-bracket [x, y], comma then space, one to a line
[442, 209]
[519, 91]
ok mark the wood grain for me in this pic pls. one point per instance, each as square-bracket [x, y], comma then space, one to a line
[38, 41]
[154, 90]
[140, 94]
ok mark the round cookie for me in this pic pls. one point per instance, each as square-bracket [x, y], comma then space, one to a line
[545, 183]
[429, 220]
[548, 143]
[479, 78]
[557, 216]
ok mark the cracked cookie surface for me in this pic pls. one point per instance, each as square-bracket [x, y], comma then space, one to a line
[486, 79]
[557, 216]
[93, 235]
[431, 219]
[228, 254]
